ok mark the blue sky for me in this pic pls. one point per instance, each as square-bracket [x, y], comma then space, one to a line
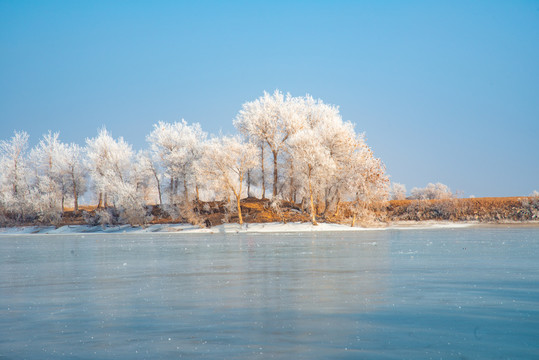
[446, 91]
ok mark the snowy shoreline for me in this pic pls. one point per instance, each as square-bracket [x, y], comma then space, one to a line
[274, 227]
[223, 229]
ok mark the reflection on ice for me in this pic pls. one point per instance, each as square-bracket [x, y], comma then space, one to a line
[391, 294]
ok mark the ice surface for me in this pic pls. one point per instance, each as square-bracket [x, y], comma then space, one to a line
[394, 294]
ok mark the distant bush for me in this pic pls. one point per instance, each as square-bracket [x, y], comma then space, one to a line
[103, 217]
[530, 207]
[398, 191]
[431, 192]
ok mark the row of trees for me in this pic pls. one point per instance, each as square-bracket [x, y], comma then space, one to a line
[315, 157]
[429, 192]
[37, 184]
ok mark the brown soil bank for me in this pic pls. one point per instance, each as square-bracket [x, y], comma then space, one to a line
[201, 213]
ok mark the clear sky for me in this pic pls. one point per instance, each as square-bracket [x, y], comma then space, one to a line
[446, 91]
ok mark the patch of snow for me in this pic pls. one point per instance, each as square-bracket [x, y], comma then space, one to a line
[429, 224]
[274, 227]
[288, 227]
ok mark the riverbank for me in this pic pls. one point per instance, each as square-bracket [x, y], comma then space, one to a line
[183, 228]
[264, 215]
[297, 227]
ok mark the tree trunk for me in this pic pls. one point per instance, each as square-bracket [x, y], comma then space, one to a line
[263, 171]
[158, 186]
[16, 180]
[185, 195]
[248, 183]
[159, 193]
[100, 201]
[337, 206]
[197, 194]
[326, 202]
[171, 201]
[275, 175]
[292, 192]
[238, 196]
[75, 194]
[313, 211]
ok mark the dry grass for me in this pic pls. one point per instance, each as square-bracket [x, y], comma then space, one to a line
[81, 208]
[487, 209]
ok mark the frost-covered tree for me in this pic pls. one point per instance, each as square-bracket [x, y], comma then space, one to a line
[130, 204]
[313, 161]
[46, 156]
[148, 173]
[14, 164]
[225, 164]
[269, 121]
[49, 189]
[432, 191]
[372, 184]
[109, 164]
[341, 142]
[178, 147]
[341, 165]
[14, 175]
[398, 191]
[74, 172]
[322, 124]
[116, 179]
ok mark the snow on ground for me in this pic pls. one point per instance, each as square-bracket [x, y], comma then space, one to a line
[225, 228]
[429, 224]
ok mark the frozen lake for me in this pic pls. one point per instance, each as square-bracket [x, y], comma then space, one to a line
[470, 293]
